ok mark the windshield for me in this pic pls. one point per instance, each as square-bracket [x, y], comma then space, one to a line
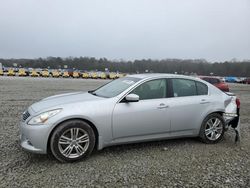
[115, 87]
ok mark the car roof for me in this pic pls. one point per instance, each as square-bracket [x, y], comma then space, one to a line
[213, 77]
[160, 75]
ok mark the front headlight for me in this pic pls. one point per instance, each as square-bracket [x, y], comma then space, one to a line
[43, 117]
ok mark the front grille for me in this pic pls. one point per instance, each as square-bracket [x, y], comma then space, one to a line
[26, 115]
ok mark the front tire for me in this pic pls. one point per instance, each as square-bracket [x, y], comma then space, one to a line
[212, 128]
[72, 141]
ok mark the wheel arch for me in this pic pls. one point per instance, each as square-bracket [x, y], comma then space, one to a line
[217, 112]
[220, 112]
[70, 119]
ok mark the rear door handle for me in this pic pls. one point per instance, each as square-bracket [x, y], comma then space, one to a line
[204, 101]
[162, 106]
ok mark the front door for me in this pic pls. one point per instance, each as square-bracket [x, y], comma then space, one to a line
[146, 117]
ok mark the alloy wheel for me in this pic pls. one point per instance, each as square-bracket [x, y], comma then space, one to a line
[213, 129]
[73, 143]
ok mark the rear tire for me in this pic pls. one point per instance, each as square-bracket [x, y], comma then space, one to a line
[72, 141]
[212, 129]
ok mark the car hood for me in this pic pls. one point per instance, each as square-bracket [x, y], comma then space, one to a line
[58, 100]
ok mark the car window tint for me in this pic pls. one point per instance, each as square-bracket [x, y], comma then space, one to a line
[152, 89]
[183, 87]
[201, 88]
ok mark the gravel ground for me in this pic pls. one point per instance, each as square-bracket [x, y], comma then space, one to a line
[170, 163]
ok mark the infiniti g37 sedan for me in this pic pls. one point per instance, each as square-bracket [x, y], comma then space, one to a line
[135, 108]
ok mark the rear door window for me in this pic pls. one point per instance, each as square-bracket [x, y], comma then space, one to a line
[202, 89]
[183, 87]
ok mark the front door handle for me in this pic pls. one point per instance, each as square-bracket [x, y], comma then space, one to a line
[162, 106]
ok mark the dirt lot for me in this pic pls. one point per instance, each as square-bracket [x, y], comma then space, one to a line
[171, 163]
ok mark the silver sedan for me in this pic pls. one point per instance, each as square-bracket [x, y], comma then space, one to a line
[135, 108]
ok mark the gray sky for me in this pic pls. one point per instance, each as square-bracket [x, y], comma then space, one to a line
[215, 30]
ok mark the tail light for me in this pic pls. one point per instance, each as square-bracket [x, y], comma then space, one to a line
[238, 102]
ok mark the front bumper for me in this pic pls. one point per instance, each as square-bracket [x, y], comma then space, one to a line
[34, 138]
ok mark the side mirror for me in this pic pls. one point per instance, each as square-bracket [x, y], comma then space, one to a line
[132, 98]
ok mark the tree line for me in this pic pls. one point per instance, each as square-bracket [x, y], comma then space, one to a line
[180, 66]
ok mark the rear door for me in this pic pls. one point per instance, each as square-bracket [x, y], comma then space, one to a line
[189, 102]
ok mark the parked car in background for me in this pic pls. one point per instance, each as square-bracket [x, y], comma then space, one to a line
[223, 86]
[34, 73]
[131, 109]
[1, 72]
[102, 75]
[240, 80]
[85, 75]
[232, 79]
[76, 74]
[120, 75]
[45, 73]
[55, 73]
[94, 75]
[112, 75]
[246, 81]
[11, 72]
[65, 74]
[70, 72]
[22, 72]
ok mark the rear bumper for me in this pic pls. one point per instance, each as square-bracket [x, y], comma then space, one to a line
[233, 119]
[234, 122]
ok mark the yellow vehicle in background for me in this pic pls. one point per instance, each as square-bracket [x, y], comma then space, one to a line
[1, 72]
[11, 72]
[34, 73]
[90, 74]
[22, 72]
[119, 75]
[45, 73]
[94, 75]
[85, 75]
[112, 75]
[65, 74]
[76, 74]
[55, 73]
[103, 75]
